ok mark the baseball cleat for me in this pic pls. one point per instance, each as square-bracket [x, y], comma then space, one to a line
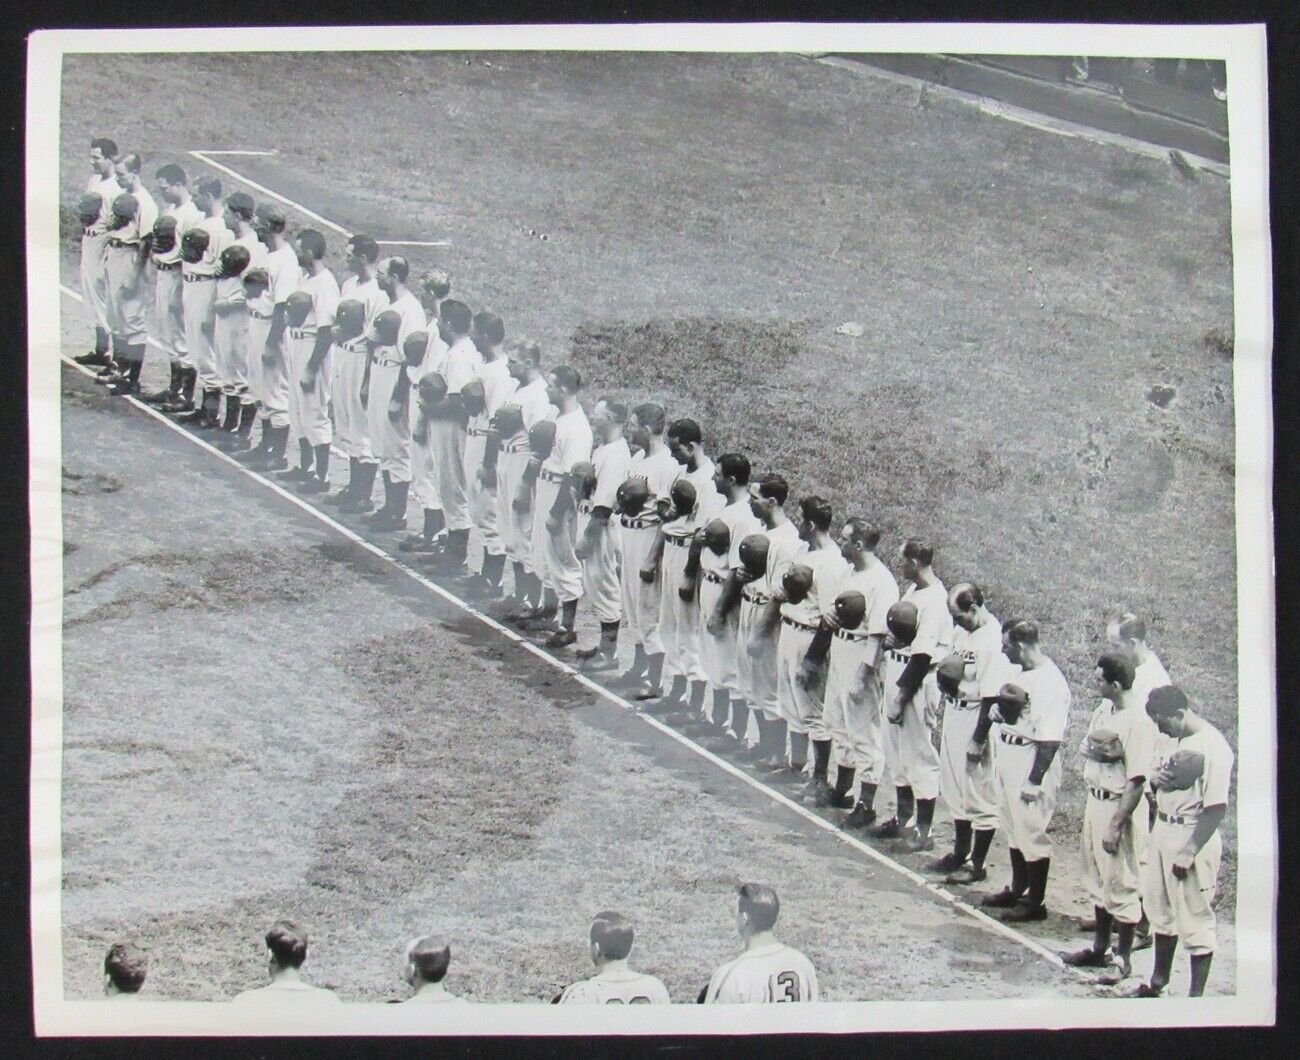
[1087, 927]
[915, 843]
[1004, 899]
[646, 691]
[967, 876]
[336, 498]
[477, 587]
[93, 359]
[562, 638]
[122, 387]
[1115, 972]
[1024, 914]
[948, 863]
[296, 474]
[315, 485]
[599, 664]
[416, 543]
[1142, 941]
[158, 397]
[1086, 958]
[861, 816]
[887, 829]
[1148, 990]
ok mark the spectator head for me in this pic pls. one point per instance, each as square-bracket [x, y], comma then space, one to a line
[286, 943]
[757, 909]
[125, 968]
[427, 960]
[611, 937]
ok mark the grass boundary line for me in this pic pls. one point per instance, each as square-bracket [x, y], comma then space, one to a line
[982, 918]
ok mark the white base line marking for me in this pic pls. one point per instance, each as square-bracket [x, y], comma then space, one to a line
[207, 151]
[938, 892]
[205, 156]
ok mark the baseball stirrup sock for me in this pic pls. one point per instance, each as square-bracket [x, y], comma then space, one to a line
[961, 839]
[739, 718]
[322, 461]
[1101, 936]
[906, 804]
[1124, 938]
[1019, 874]
[1200, 973]
[432, 523]
[1165, 947]
[844, 780]
[494, 567]
[305, 454]
[569, 611]
[924, 815]
[867, 794]
[1038, 870]
[677, 690]
[821, 758]
[983, 840]
[698, 690]
[718, 713]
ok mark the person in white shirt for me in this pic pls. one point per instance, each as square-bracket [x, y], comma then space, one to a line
[124, 264]
[230, 327]
[615, 983]
[178, 207]
[197, 297]
[427, 961]
[768, 971]
[94, 287]
[1129, 632]
[434, 289]
[125, 969]
[1031, 713]
[1192, 780]
[286, 951]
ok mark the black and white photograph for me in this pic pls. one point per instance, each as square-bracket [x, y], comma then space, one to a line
[767, 522]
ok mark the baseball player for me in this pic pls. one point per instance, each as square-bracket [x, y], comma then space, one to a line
[555, 532]
[1119, 750]
[307, 350]
[1179, 877]
[719, 597]
[427, 961]
[197, 297]
[487, 332]
[125, 969]
[801, 668]
[912, 701]
[679, 615]
[614, 983]
[768, 971]
[286, 951]
[387, 419]
[434, 289]
[1129, 632]
[598, 533]
[230, 326]
[268, 378]
[1031, 716]
[854, 692]
[349, 361]
[968, 687]
[759, 620]
[130, 230]
[638, 531]
[177, 216]
[103, 184]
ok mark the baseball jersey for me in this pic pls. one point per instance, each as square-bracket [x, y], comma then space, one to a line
[108, 189]
[572, 442]
[741, 521]
[1138, 736]
[219, 237]
[145, 215]
[324, 291]
[1048, 710]
[764, 974]
[187, 216]
[369, 294]
[878, 587]
[285, 993]
[982, 650]
[660, 469]
[784, 547]
[708, 501]
[829, 568]
[1149, 674]
[534, 405]
[284, 273]
[1212, 786]
[612, 461]
[624, 987]
[462, 364]
[255, 247]
[411, 311]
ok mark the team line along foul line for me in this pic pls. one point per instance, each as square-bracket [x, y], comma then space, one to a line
[206, 158]
[996, 926]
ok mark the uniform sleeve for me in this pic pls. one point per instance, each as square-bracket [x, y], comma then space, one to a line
[885, 597]
[1051, 715]
[994, 673]
[930, 631]
[827, 579]
[611, 474]
[148, 215]
[740, 529]
[459, 371]
[1140, 747]
[1216, 780]
[711, 996]
[579, 447]
[285, 281]
[325, 304]
[813, 989]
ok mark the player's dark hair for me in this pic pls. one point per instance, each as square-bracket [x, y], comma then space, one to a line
[210, 186]
[170, 174]
[456, 316]
[491, 327]
[399, 268]
[1131, 627]
[862, 533]
[287, 943]
[107, 147]
[968, 595]
[1022, 631]
[735, 466]
[527, 350]
[651, 416]
[617, 409]
[686, 431]
[312, 242]
[612, 933]
[431, 957]
[568, 377]
[1117, 668]
[256, 277]
[817, 510]
[773, 487]
[125, 967]
[132, 161]
[759, 902]
[1167, 699]
[438, 284]
[364, 247]
[241, 204]
[920, 551]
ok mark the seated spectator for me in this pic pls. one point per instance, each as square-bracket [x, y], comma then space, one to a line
[614, 983]
[427, 960]
[768, 970]
[286, 949]
[125, 967]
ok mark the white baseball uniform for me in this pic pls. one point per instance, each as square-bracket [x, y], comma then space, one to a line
[637, 535]
[388, 437]
[230, 324]
[774, 973]
[351, 421]
[94, 242]
[1184, 907]
[447, 437]
[553, 553]
[968, 788]
[498, 387]
[718, 651]
[617, 987]
[197, 298]
[1113, 879]
[424, 469]
[802, 707]
[1148, 675]
[679, 621]
[600, 579]
[854, 691]
[756, 677]
[124, 272]
[268, 380]
[168, 293]
[309, 415]
[1024, 824]
[513, 454]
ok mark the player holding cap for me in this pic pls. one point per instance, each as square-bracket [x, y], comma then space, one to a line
[912, 700]
[768, 971]
[125, 968]
[197, 298]
[614, 983]
[387, 421]
[598, 534]
[267, 303]
[968, 688]
[854, 692]
[1118, 750]
[286, 951]
[176, 217]
[1179, 878]
[434, 289]
[1032, 714]
[230, 341]
[130, 232]
[94, 286]
[427, 961]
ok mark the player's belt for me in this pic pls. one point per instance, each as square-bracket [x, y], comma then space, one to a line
[638, 522]
[550, 476]
[302, 333]
[513, 445]
[259, 316]
[962, 704]
[713, 576]
[851, 634]
[388, 362]
[799, 625]
[88, 233]
[195, 277]
[113, 241]
[585, 507]
[1170, 818]
[755, 597]
[1014, 740]
[679, 540]
[477, 432]
[167, 266]
[1103, 794]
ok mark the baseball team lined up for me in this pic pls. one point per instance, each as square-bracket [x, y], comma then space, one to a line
[784, 643]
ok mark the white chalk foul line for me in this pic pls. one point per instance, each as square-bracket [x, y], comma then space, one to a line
[996, 926]
[206, 157]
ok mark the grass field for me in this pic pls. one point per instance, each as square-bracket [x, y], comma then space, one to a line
[711, 220]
